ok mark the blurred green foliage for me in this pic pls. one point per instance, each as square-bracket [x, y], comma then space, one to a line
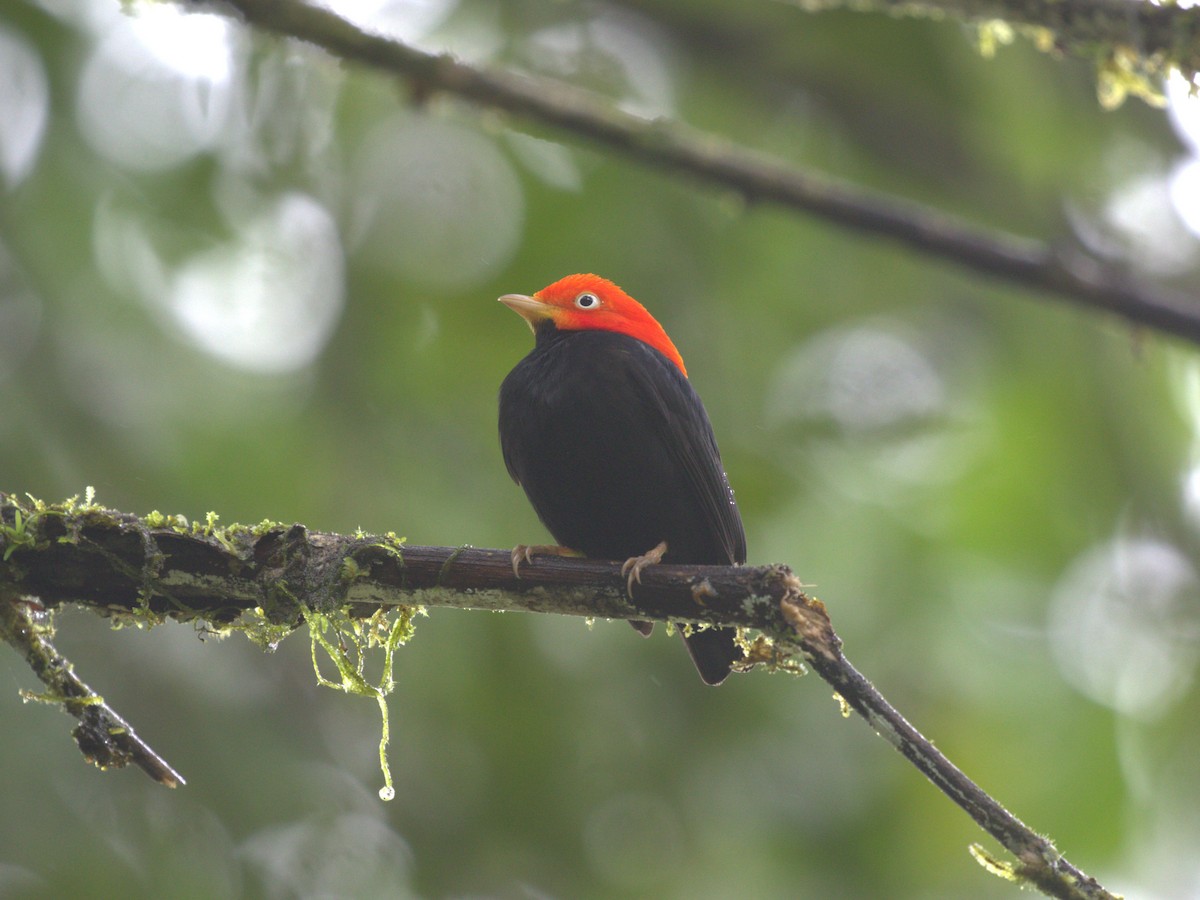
[238, 276]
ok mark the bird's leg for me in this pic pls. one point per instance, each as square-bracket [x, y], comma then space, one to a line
[633, 566]
[524, 553]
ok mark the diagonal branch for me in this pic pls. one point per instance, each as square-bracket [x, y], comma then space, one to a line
[103, 737]
[162, 567]
[1068, 274]
[1038, 861]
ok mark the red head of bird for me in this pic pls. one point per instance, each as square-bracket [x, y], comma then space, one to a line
[581, 302]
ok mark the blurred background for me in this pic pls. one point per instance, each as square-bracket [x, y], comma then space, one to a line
[237, 275]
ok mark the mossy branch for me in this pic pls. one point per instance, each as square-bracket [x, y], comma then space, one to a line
[103, 737]
[268, 579]
[1134, 44]
[1068, 273]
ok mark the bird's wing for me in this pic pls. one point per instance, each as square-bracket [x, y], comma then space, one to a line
[686, 432]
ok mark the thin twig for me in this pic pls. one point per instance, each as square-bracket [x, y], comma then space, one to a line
[1069, 274]
[105, 739]
[1038, 861]
[117, 564]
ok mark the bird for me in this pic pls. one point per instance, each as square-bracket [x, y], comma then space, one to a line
[601, 427]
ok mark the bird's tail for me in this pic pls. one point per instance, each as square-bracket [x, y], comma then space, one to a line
[714, 651]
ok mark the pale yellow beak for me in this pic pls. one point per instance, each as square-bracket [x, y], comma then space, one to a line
[528, 308]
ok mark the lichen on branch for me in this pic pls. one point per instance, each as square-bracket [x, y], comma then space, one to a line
[1133, 44]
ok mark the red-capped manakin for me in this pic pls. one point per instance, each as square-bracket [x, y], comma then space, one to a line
[601, 427]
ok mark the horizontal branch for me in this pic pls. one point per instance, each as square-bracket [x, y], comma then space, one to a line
[1071, 275]
[120, 565]
[164, 567]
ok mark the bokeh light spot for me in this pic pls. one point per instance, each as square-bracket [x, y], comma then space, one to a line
[1125, 625]
[24, 106]
[437, 203]
[403, 20]
[1148, 213]
[865, 379]
[1184, 110]
[621, 53]
[269, 301]
[157, 89]
[553, 163]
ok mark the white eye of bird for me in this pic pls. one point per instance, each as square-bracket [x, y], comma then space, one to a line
[587, 300]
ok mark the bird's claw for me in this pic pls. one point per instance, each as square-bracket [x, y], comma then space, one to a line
[632, 567]
[521, 553]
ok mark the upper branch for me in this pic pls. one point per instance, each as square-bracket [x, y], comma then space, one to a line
[1130, 40]
[1072, 275]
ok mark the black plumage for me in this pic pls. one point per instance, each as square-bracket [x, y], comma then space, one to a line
[616, 453]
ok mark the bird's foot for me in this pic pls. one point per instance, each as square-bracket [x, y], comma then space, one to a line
[524, 553]
[632, 568]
